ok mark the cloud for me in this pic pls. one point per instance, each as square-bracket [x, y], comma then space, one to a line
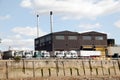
[6, 17]
[27, 31]
[90, 26]
[117, 23]
[76, 9]
[21, 44]
[23, 39]
[26, 3]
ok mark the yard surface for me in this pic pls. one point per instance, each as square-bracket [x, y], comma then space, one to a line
[72, 78]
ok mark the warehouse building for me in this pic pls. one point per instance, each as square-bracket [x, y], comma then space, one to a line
[68, 40]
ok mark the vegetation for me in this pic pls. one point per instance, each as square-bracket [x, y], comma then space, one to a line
[17, 58]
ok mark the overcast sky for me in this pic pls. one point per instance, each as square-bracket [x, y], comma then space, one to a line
[18, 19]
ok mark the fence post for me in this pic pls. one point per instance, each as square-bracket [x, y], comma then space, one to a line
[23, 66]
[63, 68]
[49, 71]
[96, 71]
[42, 72]
[102, 67]
[114, 67]
[33, 69]
[71, 71]
[77, 71]
[118, 64]
[57, 67]
[6, 70]
[83, 67]
[109, 71]
[90, 66]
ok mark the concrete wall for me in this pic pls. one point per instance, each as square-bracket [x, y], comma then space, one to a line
[53, 67]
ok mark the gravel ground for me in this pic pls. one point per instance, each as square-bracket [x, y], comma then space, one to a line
[72, 78]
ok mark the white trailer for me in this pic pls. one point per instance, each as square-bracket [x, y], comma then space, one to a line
[71, 54]
[84, 53]
[112, 50]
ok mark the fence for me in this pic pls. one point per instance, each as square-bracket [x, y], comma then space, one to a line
[10, 69]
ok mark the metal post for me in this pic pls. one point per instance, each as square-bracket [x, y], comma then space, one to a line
[37, 25]
[63, 67]
[51, 21]
[33, 69]
[90, 66]
[102, 67]
[114, 67]
[83, 67]
[6, 70]
[51, 29]
[23, 66]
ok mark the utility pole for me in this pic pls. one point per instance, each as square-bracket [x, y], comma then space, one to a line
[51, 21]
[37, 25]
[51, 29]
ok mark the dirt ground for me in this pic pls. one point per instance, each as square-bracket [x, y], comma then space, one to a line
[72, 78]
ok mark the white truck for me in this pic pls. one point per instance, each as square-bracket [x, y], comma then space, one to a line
[85, 53]
[45, 54]
[71, 54]
[59, 54]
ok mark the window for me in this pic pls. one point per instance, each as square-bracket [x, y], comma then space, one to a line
[59, 37]
[87, 37]
[49, 42]
[72, 37]
[42, 40]
[99, 38]
[36, 42]
[48, 38]
[42, 44]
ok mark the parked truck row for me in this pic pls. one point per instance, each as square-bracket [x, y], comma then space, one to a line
[30, 54]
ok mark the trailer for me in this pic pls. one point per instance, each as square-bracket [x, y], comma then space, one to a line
[85, 53]
[37, 54]
[45, 54]
[59, 54]
[9, 54]
[71, 54]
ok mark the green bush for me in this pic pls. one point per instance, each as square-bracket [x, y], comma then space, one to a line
[17, 58]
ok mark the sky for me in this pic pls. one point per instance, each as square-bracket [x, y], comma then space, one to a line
[18, 21]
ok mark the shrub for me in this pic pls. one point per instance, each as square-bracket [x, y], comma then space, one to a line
[17, 58]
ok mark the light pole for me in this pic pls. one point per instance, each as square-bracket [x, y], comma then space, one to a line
[37, 25]
[51, 21]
